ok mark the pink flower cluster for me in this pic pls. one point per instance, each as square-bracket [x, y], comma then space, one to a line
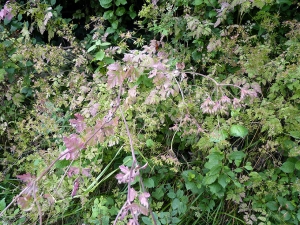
[5, 13]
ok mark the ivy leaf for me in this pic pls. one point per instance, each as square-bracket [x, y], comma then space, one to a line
[288, 167]
[238, 131]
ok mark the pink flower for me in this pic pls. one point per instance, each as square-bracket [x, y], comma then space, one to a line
[78, 123]
[225, 100]
[125, 176]
[74, 144]
[5, 13]
[144, 199]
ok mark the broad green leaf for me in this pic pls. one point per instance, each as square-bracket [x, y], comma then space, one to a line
[238, 131]
[210, 179]
[108, 14]
[149, 182]
[149, 143]
[297, 165]
[147, 220]
[158, 193]
[120, 11]
[272, 205]
[236, 155]
[212, 13]
[171, 195]
[105, 3]
[120, 2]
[218, 136]
[289, 2]
[198, 2]
[295, 134]
[99, 56]
[53, 2]
[223, 180]
[115, 24]
[175, 203]
[288, 167]
[215, 189]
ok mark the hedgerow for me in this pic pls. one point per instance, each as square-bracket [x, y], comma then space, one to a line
[170, 112]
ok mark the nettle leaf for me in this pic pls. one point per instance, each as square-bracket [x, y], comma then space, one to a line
[238, 131]
[237, 155]
[288, 167]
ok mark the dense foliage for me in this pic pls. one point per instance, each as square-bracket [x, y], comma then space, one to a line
[161, 112]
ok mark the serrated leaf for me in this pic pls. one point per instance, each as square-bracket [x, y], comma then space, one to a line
[238, 131]
[288, 167]
[149, 182]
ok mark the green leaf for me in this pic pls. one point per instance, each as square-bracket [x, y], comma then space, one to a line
[210, 179]
[115, 24]
[53, 2]
[295, 134]
[92, 48]
[288, 167]
[158, 193]
[2, 204]
[120, 2]
[149, 182]
[289, 2]
[2, 73]
[120, 11]
[108, 14]
[238, 131]
[62, 163]
[212, 13]
[171, 195]
[297, 165]
[223, 180]
[198, 2]
[105, 3]
[131, 12]
[236, 155]
[218, 136]
[175, 203]
[272, 205]
[147, 220]
[149, 143]
[99, 56]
